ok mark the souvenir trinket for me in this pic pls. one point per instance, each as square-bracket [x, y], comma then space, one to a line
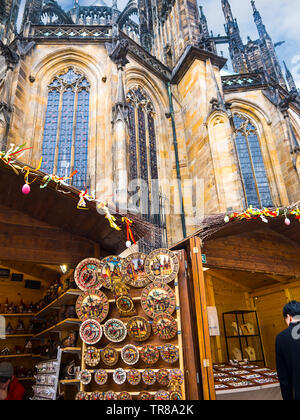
[124, 396]
[162, 377]
[169, 353]
[134, 377]
[165, 326]
[115, 330]
[119, 376]
[149, 354]
[162, 395]
[133, 270]
[92, 356]
[85, 377]
[175, 396]
[82, 396]
[144, 396]
[109, 356]
[130, 354]
[101, 377]
[110, 395]
[149, 377]
[139, 328]
[92, 304]
[176, 375]
[124, 302]
[157, 298]
[97, 396]
[85, 274]
[109, 271]
[162, 265]
[90, 331]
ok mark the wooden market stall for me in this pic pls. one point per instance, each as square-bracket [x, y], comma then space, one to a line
[43, 233]
[251, 270]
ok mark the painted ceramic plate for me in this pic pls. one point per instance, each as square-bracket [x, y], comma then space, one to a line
[176, 375]
[157, 298]
[162, 377]
[165, 326]
[92, 304]
[149, 377]
[175, 396]
[97, 396]
[162, 395]
[144, 396]
[109, 356]
[110, 395]
[133, 270]
[90, 331]
[85, 377]
[125, 306]
[134, 377]
[124, 396]
[82, 396]
[130, 354]
[162, 265]
[149, 354]
[85, 274]
[169, 353]
[110, 271]
[92, 356]
[101, 377]
[115, 330]
[139, 328]
[119, 376]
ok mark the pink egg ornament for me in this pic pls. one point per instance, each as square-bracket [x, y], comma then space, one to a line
[26, 189]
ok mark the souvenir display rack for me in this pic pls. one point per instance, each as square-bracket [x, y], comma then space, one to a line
[117, 387]
[243, 337]
[241, 376]
[47, 376]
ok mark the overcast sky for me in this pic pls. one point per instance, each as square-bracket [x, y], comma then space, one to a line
[281, 18]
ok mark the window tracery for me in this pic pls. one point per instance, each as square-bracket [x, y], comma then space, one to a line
[65, 142]
[252, 167]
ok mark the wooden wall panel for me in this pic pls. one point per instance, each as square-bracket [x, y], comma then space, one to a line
[269, 310]
[295, 293]
[227, 298]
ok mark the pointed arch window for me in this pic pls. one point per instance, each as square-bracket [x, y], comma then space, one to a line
[65, 142]
[254, 177]
[142, 142]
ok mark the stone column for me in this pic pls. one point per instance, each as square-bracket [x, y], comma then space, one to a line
[117, 52]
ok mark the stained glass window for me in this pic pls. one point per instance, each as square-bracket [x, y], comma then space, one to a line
[65, 142]
[142, 143]
[255, 181]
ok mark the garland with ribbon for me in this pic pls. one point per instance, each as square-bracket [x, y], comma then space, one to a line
[129, 231]
[253, 213]
[15, 152]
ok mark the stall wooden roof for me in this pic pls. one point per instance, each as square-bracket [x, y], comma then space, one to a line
[50, 215]
[250, 245]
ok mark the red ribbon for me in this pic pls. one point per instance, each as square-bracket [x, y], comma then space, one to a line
[128, 227]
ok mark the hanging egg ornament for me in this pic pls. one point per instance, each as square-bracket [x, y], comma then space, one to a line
[26, 189]
[287, 221]
[226, 219]
[128, 244]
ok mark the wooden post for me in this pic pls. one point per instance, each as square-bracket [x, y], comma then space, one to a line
[188, 331]
[202, 320]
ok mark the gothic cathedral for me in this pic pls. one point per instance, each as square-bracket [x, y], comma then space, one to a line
[143, 95]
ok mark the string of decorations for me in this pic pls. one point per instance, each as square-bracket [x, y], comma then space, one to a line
[253, 213]
[15, 152]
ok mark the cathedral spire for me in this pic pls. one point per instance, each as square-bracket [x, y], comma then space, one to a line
[289, 78]
[203, 24]
[227, 11]
[259, 22]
